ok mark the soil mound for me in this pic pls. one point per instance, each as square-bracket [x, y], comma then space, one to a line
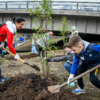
[32, 55]
[32, 87]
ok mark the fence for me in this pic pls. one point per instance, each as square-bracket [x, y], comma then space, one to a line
[56, 5]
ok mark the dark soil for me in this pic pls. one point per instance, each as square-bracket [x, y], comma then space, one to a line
[35, 67]
[32, 87]
[32, 55]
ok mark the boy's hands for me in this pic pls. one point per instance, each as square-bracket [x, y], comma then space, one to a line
[49, 60]
[69, 78]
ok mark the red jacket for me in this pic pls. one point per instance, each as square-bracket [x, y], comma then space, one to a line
[7, 31]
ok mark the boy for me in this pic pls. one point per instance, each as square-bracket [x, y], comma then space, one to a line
[69, 58]
[68, 64]
[89, 53]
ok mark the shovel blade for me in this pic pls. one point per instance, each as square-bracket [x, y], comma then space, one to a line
[53, 89]
[35, 67]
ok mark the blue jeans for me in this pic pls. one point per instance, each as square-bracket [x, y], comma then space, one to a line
[4, 52]
[33, 49]
[67, 66]
[1, 51]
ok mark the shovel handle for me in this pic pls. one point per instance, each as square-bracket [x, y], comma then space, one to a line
[50, 50]
[34, 66]
[81, 75]
[8, 51]
[12, 54]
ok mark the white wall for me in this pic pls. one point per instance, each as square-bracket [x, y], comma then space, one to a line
[80, 25]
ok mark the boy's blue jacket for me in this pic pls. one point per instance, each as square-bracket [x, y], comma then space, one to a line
[90, 55]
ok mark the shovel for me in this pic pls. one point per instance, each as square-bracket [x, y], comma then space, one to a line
[52, 52]
[56, 88]
[33, 66]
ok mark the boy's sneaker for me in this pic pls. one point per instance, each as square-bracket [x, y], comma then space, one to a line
[4, 79]
[79, 91]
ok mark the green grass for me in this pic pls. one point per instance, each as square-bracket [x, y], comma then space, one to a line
[2, 61]
[50, 55]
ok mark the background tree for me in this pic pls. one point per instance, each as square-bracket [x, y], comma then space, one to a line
[64, 30]
[42, 15]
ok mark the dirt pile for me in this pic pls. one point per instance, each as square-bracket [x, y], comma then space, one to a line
[32, 87]
[32, 55]
[25, 87]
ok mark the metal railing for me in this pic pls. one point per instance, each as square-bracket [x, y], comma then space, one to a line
[56, 5]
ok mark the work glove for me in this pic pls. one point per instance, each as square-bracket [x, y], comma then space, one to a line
[16, 56]
[2, 44]
[68, 81]
[49, 60]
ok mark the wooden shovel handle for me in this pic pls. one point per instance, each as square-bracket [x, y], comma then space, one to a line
[33, 66]
[81, 75]
[50, 50]
[8, 51]
[12, 54]
[88, 71]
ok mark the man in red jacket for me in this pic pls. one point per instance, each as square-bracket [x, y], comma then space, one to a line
[7, 30]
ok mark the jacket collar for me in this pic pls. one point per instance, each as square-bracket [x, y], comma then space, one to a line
[85, 43]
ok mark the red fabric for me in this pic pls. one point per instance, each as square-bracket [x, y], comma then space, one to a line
[5, 33]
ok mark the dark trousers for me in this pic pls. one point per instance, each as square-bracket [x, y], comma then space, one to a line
[39, 51]
[93, 79]
[0, 74]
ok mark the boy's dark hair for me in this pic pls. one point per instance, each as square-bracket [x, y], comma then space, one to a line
[74, 41]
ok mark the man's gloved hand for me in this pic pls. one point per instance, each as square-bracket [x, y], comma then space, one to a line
[49, 60]
[2, 44]
[69, 78]
[16, 56]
